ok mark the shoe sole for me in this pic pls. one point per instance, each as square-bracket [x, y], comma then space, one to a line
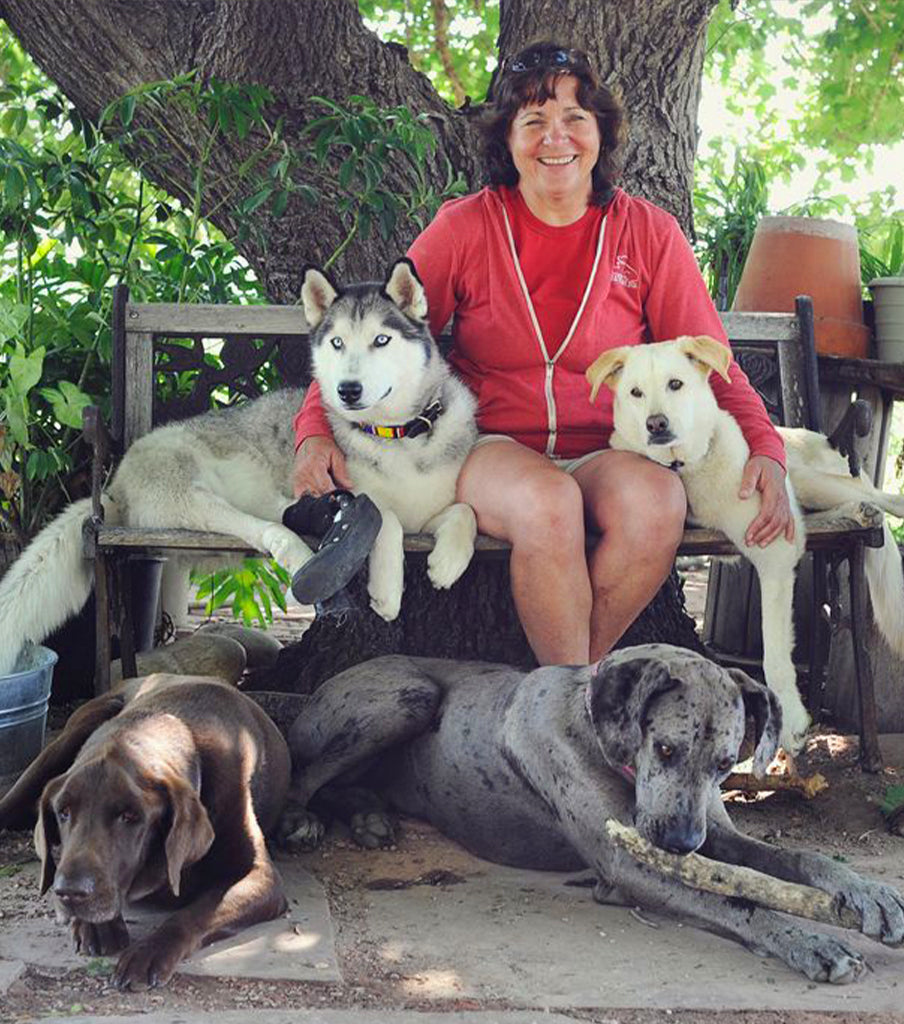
[341, 554]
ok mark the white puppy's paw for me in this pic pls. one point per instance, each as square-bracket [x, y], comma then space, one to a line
[447, 561]
[286, 547]
[795, 723]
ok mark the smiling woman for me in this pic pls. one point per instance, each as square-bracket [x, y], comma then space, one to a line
[543, 270]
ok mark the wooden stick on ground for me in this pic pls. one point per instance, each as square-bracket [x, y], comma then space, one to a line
[808, 786]
[732, 880]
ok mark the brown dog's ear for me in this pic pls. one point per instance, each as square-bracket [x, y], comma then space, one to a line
[46, 834]
[764, 707]
[711, 354]
[191, 833]
[617, 699]
[605, 369]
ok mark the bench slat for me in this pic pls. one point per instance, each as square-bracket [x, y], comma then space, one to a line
[823, 530]
[207, 318]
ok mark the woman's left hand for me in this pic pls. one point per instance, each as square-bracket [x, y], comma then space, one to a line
[767, 476]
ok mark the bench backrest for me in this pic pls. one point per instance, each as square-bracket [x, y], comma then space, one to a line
[170, 359]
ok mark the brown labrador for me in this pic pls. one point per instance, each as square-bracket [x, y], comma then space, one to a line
[168, 786]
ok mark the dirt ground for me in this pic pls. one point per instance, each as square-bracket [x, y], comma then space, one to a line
[843, 821]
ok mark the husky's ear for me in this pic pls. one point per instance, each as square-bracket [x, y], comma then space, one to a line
[618, 695]
[404, 287]
[318, 293]
[764, 707]
[606, 368]
[708, 352]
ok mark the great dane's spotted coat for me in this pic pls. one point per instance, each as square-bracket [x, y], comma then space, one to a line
[525, 768]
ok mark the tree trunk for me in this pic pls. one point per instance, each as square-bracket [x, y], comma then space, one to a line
[651, 50]
[473, 621]
[99, 49]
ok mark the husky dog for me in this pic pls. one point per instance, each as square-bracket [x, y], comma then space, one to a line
[403, 421]
[226, 471]
[665, 409]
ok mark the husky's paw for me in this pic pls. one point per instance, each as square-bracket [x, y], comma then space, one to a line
[447, 561]
[286, 547]
[387, 605]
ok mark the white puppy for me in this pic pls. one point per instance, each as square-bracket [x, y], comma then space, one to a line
[665, 409]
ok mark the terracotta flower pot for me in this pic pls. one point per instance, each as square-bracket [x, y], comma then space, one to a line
[793, 256]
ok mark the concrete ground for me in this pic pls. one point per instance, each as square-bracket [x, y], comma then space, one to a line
[438, 931]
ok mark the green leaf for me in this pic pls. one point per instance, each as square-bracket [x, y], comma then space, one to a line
[25, 370]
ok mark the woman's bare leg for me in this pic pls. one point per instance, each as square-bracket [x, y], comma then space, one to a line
[523, 498]
[639, 509]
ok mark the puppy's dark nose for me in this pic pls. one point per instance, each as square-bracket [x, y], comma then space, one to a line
[657, 424]
[72, 890]
[349, 391]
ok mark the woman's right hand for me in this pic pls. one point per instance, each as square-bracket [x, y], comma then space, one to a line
[319, 467]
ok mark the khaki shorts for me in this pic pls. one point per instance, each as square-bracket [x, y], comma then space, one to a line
[568, 465]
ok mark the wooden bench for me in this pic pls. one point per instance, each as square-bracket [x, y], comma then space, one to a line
[162, 370]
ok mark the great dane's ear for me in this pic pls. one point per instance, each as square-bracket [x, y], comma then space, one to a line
[404, 287]
[617, 699]
[764, 707]
[605, 369]
[191, 833]
[47, 835]
[708, 353]
[318, 293]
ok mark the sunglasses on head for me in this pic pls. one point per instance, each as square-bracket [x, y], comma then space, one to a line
[551, 60]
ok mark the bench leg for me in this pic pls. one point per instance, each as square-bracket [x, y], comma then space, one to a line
[126, 621]
[103, 648]
[820, 634]
[870, 754]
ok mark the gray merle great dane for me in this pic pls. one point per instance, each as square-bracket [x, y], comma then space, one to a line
[525, 768]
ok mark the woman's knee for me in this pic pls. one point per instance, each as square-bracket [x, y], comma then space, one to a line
[546, 508]
[650, 507]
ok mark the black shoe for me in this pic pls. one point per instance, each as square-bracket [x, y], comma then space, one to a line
[353, 527]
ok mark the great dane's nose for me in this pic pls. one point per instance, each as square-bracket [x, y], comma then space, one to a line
[657, 424]
[73, 889]
[349, 391]
[680, 839]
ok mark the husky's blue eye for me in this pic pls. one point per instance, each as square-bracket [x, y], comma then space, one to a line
[675, 384]
[336, 343]
[381, 340]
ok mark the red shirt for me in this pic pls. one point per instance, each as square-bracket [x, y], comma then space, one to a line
[646, 287]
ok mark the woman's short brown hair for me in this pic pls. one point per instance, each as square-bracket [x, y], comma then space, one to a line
[530, 76]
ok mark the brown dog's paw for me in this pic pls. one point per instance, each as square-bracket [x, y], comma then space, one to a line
[99, 939]
[150, 962]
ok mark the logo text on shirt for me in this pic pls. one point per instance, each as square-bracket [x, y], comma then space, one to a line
[623, 273]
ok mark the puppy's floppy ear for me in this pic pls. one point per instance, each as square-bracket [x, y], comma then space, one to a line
[606, 368]
[191, 833]
[318, 293]
[404, 287]
[46, 834]
[617, 698]
[709, 353]
[764, 707]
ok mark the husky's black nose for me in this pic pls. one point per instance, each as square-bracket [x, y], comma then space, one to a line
[658, 425]
[349, 391]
